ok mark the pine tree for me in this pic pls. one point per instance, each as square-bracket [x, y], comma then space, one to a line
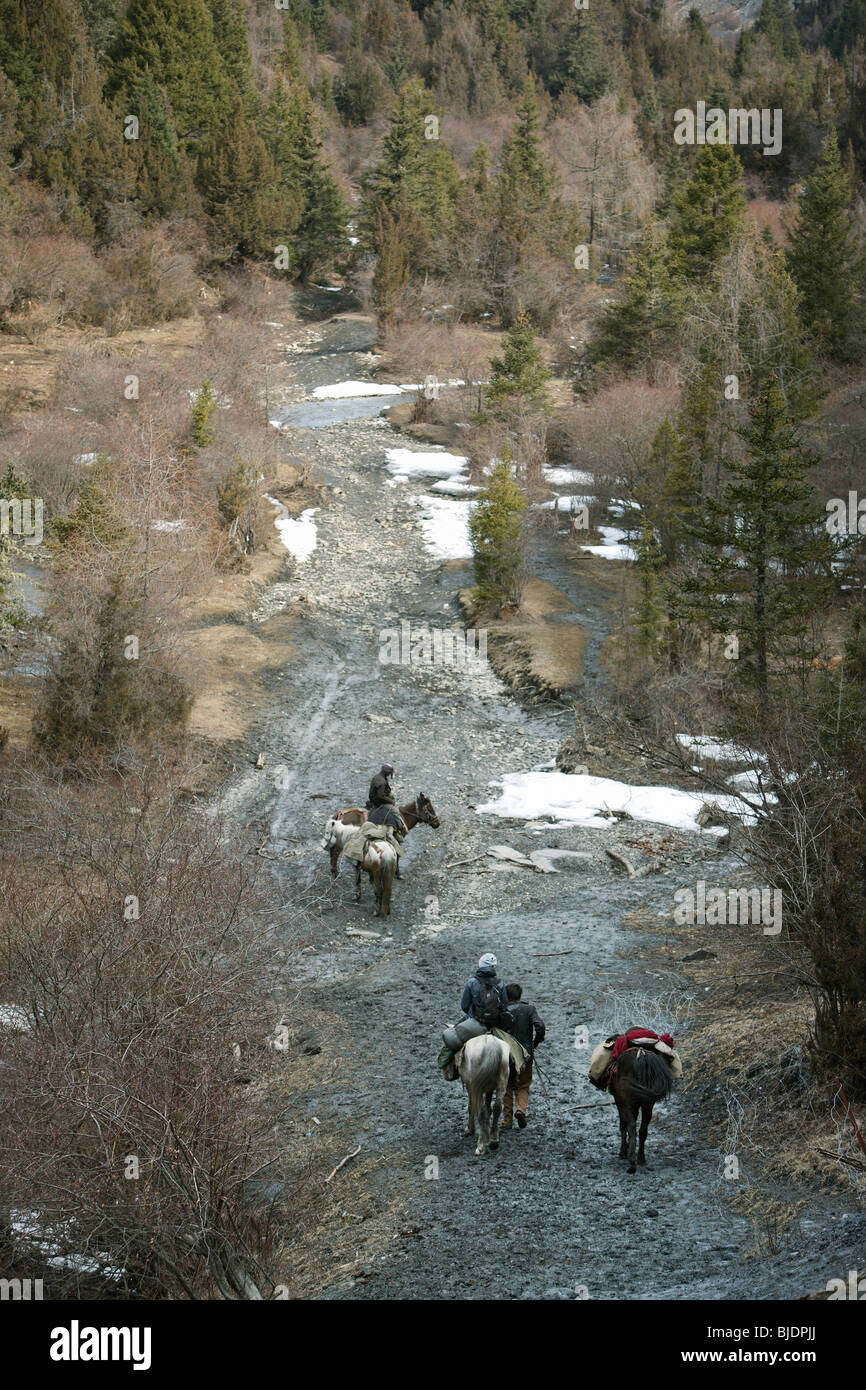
[391, 275]
[319, 239]
[587, 71]
[642, 326]
[496, 531]
[203, 408]
[824, 261]
[255, 212]
[173, 41]
[230, 37]
[763, 550]
[520, 375]
[417, 179]
[648, 612]
[707, 212]
[670, 508]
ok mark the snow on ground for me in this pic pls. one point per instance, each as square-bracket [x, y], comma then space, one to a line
[418, 463]
[613, 546]
[703, 746]
[567, 477]
[453, 487]
[298, 534]
[168, 526]
[340, 389]
[445, 523]
[567, 503]
[15, 1017]
[579, 798]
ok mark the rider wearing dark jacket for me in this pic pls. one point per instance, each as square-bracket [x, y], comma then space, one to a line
[472, 990]
[380, 789]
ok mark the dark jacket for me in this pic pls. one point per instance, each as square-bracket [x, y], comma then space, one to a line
[472, 991]
[527, 1027]
[380, 792]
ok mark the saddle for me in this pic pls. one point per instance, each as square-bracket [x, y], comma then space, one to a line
[369, 834]
[605, 1057]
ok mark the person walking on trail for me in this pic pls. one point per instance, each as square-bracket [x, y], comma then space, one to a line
[380, 793]
[528, 1028]
[484, 997]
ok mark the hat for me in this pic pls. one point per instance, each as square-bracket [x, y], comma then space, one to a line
[487, 961]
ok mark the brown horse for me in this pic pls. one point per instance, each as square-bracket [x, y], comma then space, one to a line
[639, 1078]
[342, 825]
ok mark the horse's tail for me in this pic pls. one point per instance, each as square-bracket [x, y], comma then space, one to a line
[388, 869]
[652, 1078]
[485, 1077]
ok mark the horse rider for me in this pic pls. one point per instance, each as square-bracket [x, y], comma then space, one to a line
[380, 793]
[528, 1028]
[484, 997]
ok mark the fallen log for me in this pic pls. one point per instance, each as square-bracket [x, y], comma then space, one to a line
[620, 859]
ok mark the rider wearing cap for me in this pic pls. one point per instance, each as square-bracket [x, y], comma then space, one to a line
[484, 996]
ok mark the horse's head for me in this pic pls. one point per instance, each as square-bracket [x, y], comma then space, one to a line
[426, 813]
[329, 837]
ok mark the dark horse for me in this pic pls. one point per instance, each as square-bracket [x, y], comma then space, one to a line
[640, 1077]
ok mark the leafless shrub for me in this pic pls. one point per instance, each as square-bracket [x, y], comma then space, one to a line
[144, 963]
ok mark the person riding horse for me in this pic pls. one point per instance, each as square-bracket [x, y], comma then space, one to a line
[382, 805]
[380, 789]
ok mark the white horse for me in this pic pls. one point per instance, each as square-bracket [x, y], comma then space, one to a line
[482, 1065]
[338, 833]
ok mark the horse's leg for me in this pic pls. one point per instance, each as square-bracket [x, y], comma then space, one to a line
[484, 1136]
[496, 1112]
[623, 1128]
[470, 1122]
[646, 1112]
[376, 876]
[336, 851]
[632, 1135]
[387, 886]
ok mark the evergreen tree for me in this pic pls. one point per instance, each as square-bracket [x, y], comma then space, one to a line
[203, 408]
[670, 508]
[319, 238]
[173, 41]
[763, 550]
[416, 178]
[496, 531]
[648, 612]
[587, 71]
[391, 276]
[707, 212]
[520, 375]
[230, 37]
[243, 192]
[644, 325]
[825, 263]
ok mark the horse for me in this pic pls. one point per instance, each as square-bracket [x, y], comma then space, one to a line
[380, 862]
[342, 825]
[482, 1065]
[639, 1078]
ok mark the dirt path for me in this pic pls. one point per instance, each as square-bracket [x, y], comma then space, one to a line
[551, 1213]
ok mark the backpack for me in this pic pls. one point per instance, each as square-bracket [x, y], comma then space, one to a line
[488, 1005]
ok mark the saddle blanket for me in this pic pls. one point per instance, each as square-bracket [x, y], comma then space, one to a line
[357, 846]
[607, 1052]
